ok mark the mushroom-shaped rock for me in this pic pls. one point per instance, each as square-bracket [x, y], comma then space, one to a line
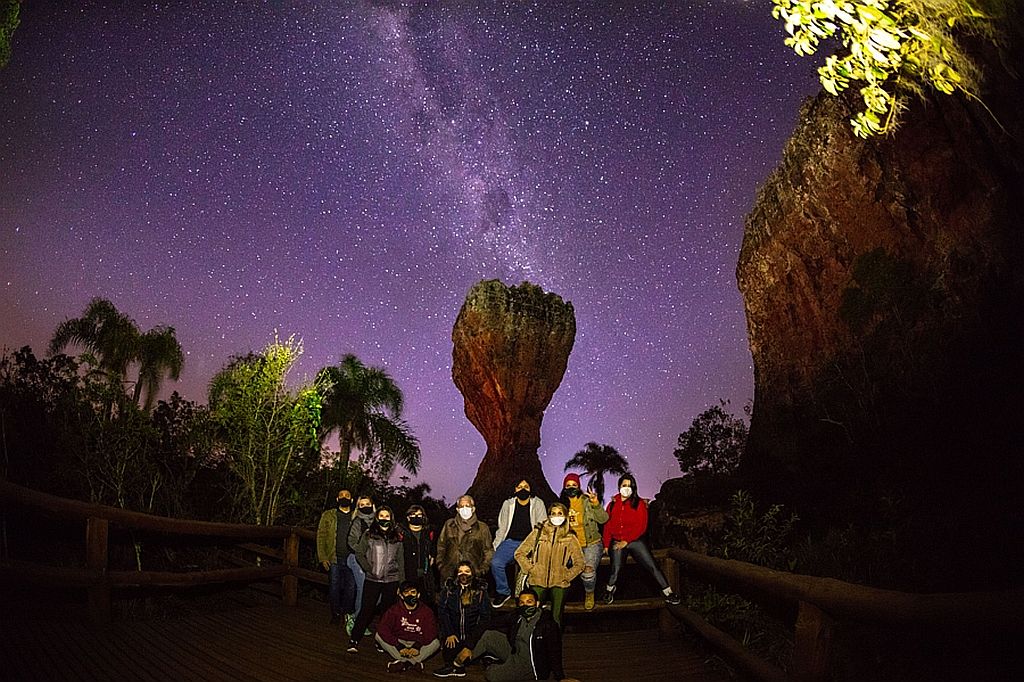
[511, 346]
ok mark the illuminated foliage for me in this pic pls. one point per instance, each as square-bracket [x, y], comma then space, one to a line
[891, 48]
[9, 10]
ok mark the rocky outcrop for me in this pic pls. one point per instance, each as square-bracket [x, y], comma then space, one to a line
[511, 346]
[882, 283]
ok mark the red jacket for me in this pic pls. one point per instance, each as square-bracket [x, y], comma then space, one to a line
[625, 522]
[418, 626]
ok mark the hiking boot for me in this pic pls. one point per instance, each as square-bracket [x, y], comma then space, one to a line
[673, 599]
[450, 671]
[500, 600]
[609, 596]
[588, 601]
[398, 666]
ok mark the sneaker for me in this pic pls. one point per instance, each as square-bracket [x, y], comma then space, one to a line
[488, 659]
[609, 596]
[353, 648]
[588, 601]
[398, 666]
[377, 646]
[500, 600]
[673, 599]
[450, 671]
[350, 620]
[416, 665]
[368, 632]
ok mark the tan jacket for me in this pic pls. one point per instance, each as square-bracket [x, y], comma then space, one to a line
[550, 557]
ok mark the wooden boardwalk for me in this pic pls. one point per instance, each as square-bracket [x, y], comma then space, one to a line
[273, 642]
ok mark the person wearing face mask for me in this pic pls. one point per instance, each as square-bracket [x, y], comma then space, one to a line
[420, 551]
[462, 608]
[585, 516]
[463, 538]
[627, 523]
[527, 645]
[365, 509]
[551, 557]
[408, 630]
[518, 515]
[333, 551]
[382, 558]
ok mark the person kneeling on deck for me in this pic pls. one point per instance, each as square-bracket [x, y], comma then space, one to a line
[527, 647]
[408, 630]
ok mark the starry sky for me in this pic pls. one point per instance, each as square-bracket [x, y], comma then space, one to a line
[345, 171]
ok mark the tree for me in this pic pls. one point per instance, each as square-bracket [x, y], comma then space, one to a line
[892, 47]
[713, 444]
[9, 10]
[116, 343]
[597, 461]
[364, 406]
[265, 430]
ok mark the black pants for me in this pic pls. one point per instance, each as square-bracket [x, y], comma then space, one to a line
[372, 590]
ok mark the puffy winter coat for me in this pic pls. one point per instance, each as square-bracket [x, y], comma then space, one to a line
[550, 556]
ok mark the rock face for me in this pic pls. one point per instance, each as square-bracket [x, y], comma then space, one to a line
[511, 346]
[882, 283]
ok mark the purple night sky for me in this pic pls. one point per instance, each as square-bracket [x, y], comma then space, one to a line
[346, 171]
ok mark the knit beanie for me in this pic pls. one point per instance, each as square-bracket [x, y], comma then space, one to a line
[572, 477]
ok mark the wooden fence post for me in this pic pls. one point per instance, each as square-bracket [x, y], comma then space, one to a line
[666, 621]
[290, 582]
[96, 532]
[812, 643]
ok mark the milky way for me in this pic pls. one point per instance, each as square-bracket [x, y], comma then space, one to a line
[345, 172]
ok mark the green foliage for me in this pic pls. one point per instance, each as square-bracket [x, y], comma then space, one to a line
[597, 461]
[265, 430]
[363, 405]
[758, 538]
[713, 444]
[9, 20]
[891, 48]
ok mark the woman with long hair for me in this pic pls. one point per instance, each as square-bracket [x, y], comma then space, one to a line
[551, 557]
[381, 555]
[462, 607]
[624, 531]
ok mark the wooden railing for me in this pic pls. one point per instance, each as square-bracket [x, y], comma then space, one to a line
[823, 603]
[98, 580]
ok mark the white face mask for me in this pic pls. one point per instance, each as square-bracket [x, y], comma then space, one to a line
[465, 512]
[556, 520]
[625, 491]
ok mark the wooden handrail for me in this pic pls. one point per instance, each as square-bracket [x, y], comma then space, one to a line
[849, 601]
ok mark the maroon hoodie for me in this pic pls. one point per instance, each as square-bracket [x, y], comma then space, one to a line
[417, 626]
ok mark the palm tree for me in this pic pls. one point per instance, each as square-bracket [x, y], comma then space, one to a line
[116, 342]
[364, 406]
[596, 461]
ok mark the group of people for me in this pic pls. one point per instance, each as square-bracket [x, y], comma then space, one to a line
[406, 570]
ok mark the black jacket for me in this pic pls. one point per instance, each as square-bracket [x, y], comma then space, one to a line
[545, 643]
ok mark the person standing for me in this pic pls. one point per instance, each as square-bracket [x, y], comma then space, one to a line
[333, 551]
[463, 538]
[551, 557]
[585, 516]
[462, 608]
[382, 557]
[518, 515]
[420, 542]
[627, 524]
[365, 509]
[408, 630]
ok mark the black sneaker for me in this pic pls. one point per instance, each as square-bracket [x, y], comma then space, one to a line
[353, 648]
[450, 671]
[609, 596]
[673, 599]
[377, 646]
[500, 600]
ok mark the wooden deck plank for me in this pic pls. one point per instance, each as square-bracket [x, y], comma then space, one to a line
[269, 643]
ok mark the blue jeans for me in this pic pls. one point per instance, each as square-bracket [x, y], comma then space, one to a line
[642, 555]
[503, 556]
[342, 589]
[591, 559]
[359, 576]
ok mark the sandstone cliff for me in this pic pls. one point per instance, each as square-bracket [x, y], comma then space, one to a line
[882, 283]
[511, 346]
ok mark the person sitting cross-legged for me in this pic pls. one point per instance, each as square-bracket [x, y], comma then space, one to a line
[408, 630]
[526, 646]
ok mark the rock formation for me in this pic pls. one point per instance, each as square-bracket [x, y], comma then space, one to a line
[882, 283]
[511, 346]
